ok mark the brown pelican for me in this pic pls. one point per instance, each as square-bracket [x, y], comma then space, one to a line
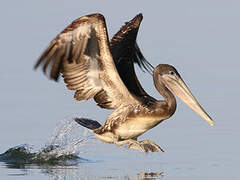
[103, 70]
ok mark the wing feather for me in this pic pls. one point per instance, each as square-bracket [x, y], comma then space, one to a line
[125, 52]
[81, 54]
[50, 55]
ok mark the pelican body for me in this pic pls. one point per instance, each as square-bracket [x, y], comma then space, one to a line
[101, 69]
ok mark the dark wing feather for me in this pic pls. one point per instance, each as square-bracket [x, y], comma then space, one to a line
[81, 53]
[124, 46]
[125, 52]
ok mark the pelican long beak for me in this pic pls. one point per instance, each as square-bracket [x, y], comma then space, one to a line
[180, 89]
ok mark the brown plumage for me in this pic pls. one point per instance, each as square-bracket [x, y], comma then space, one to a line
[95, 68]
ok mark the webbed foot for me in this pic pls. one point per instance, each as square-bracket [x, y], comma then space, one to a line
[151, 146]
[138, 146]
[143, 146]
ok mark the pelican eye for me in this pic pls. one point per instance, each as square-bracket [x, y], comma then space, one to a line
[172, 73]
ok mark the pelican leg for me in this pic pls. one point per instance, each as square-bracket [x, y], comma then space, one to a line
[151, 146]
[133, 144]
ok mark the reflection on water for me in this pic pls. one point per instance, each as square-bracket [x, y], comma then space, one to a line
[75, 173]
[148, 176]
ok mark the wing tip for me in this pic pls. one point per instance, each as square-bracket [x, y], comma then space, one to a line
[36, 65]
[137, 20]
[139, 16]
[39, 61]
[53, 75]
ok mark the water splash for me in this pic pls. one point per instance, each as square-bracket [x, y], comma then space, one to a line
[68, 138]
[64, 147]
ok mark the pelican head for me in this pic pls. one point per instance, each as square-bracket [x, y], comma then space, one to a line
[171, 79]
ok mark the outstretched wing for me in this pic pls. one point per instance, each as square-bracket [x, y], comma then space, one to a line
[81, 53]
[125, 52]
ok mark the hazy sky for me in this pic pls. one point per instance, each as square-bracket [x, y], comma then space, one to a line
[200, 38]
